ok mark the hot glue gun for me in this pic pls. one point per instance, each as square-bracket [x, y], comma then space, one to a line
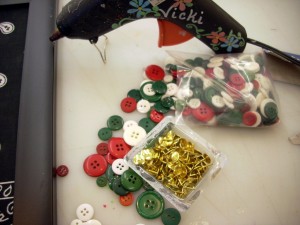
[178, 21]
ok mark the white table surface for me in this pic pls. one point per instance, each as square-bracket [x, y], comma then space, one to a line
[260, 182]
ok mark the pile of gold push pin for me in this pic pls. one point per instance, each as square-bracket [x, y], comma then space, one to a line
[175, 163]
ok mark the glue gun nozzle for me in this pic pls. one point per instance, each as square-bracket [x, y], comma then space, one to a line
[56, 35]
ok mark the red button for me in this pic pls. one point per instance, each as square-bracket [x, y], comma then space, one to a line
[95, 165]
[109, 158]
[117, 147]
[126, 200]
[203, 113]
[256, 84]
[156, 116]
[128, 104]
[237, 79]
[102, 148]
[236, 86]
[210, 72]
[249, 118]
[62, 171]
[187, 111]
[154, 72]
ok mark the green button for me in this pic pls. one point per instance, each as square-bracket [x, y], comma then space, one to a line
[135, 93]
[147, 124]
[170, 216]
[160, 108]
[101, 181]
[159, 87]
[104, 133]
[209, 93]
[271, 110]
[180, 105]
[131, 181]
[198, 61]
[115, 122]
[150, 204]
[109, 173]
[118, 187]
[167, 102]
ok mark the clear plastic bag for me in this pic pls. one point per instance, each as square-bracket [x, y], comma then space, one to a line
[176, 162]
[224, 90]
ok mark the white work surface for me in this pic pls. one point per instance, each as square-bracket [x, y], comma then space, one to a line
[260, 182]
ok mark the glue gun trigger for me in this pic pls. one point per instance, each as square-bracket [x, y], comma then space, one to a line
[171, 34]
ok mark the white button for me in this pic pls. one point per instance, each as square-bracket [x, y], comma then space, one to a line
[216, 59]
[218, 101]
[259, 98]
[246, 58]
[129, 123]
[247, 89]
[214, 64]
[184, 93]
[168, 78]
[200, 71]
[207, 83]
[219, 73]
[171, 89]
[227, 96]
[3, 80]
[119, 166]
[228, 103]
[85, 212]
[212, 121]
[252, 67]
[251, 100]
[93, 222]
[133, 135]
[76, 222]
[263, 104]
[147, 89]
[194, 103]
[143, 106]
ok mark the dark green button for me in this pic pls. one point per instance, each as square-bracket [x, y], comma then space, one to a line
[150, 204]
[104, 133]
[159, 87]
[160, 108]
[109, 173]
[271, 110]
[101, 181]
[170, 216]
[147, 124]
[167, 102]
[209, 93]
[135, 93]
[115, 122]
[118, 187]
[131, 181]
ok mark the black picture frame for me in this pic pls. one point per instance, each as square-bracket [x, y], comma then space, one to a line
[34, 195]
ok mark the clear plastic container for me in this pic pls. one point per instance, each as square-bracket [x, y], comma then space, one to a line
[176, 162]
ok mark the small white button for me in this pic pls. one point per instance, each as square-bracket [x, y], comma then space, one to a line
[85, 212]
[143, 106]
[251, 100]
[258, 119]
[207, 83]
[129, 123]
[216, 59]
[252, 67]
[200, 71]
[214, 64]
[168, 78]
[259, 98]
[76, 222]
[228, 103]
[93, 222]
[171, 89]
[219, 73]
[133, 135]
[147, 89]
[119, 166]
[218, 101]
[227, 96]
[194, 103]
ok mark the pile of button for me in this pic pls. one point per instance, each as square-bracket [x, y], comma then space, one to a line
[227, 90]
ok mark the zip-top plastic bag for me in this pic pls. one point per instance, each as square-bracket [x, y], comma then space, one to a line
[224, 90]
